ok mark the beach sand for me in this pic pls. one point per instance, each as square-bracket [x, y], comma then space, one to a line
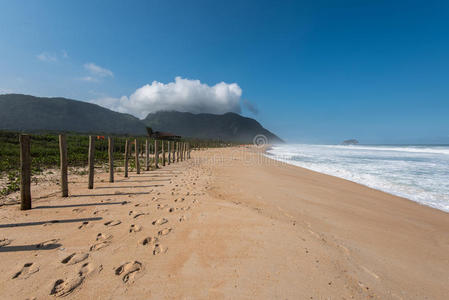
[226, 224]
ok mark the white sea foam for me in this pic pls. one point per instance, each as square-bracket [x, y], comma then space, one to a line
[419, 173]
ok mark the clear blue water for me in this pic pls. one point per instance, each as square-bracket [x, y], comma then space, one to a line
[419, 173]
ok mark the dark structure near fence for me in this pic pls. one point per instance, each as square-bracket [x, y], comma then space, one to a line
[165, 136]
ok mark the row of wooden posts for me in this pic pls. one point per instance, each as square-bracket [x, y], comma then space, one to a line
[176, 151]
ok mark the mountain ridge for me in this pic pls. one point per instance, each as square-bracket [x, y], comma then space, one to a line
[20, 112]
[228, 126]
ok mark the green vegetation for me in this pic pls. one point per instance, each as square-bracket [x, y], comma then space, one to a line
[45, 153]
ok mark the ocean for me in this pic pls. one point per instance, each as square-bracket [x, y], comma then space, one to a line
[417, 172]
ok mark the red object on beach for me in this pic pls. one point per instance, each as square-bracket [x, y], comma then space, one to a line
[100, 137]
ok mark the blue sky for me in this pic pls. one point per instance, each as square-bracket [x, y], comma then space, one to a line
[317, 71]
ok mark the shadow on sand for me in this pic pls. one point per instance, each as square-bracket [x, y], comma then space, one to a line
[128, 187]
[113, 194]
[30, 247]
[79, 205]
[49, 222]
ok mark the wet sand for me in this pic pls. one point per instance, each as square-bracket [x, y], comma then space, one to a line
[227, 224]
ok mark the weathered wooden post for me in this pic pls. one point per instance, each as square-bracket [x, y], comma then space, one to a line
[156, 155]
[163, 153]
[136, 145]
[177, 151]
[111, 158]
[184, 156]
[182, 151]
[63, 165]
[147, 155]
[173, 153]
[168, 152]
[91, 161]
[126, 157]
[25, 172]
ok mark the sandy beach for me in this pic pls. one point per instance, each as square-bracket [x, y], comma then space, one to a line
[226, 224]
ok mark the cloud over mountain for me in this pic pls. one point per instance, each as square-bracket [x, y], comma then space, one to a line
[98, 71]
[183, 94]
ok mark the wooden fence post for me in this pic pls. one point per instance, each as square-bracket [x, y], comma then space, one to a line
[156, 155]
[182, 151]
[111, 158]
[91, 161]
[163, 153]
[126, 157]
[147, 155]
[136, 146]
[25, 172]
[175, 149]
[168, 152]
[63, 165]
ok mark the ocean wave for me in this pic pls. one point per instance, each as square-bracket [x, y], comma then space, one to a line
[419, 173]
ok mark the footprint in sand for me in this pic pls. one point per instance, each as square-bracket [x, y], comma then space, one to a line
[160, 221]
[63, 288]
[4, 242]
[99, 245]
[103, 237]
[182, 219]
[47, 244]
[75, 258]
[128, 271]
[112, 223]
[103, 241]
[164, 231]
[78, 210]
[162, 206]
[83, 225]
[179, 200]
[148, 241]
[158, 249]
[135, 228]
[138, 215]
[100, 211]
[27, 270]
[135, 214]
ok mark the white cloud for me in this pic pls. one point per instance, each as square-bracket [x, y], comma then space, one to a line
[98, 71]
[47, 57]
[89, 79]
[184, 95]
[52, 57]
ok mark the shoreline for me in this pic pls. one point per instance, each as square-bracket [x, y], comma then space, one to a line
[385, 190]
[224, 224]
